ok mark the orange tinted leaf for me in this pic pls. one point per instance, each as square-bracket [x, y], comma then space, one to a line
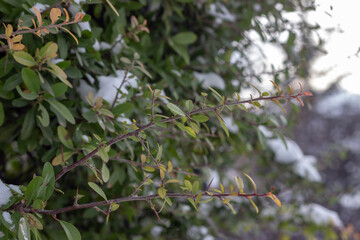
[274, 198]
[78, 16]
[300, 87]
[55, 13]
[17, 38]
[66, 15]
[307, 94]
[277, 87]
[38, 16]
[70, 34]
[112, 7]
[300, 101]
[8, 30]
[18, 46]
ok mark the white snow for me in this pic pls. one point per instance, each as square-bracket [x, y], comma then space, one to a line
[303, 165]
[16, 188]
[230, 124]
[156, 231]
[108, 86]
[1, 234]
[7, 217]
[320, 215]
[338, 104]
[39, 6]
[351, 201]
[211, 79]
[221, 13]
[5, 194]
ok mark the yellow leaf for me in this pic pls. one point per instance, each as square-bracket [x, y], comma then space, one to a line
[254, 205]
[142, 157]
[33, 23]
[162, 192]
[172, 181]
[70, 34]
[38, 16]
[149, 169]
[274, 198]
[252, 181]
[239, 183]
[18, 46]
[162, 174]
[17, 38]
[112, 7]
[226, 200]
[55, 13]
[170, 167]
[8, 30]
[66, 15]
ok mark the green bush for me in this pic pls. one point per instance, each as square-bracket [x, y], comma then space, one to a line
[106, 125]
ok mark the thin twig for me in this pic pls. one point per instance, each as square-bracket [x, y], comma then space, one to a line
[137, 198]
[166, 120]
[141, 184]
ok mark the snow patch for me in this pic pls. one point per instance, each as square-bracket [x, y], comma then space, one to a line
[156, 231]
[320, 215]
[221, 13]
[230, 124]
[7, 218]
[16, 188]
[108, 86]
[339, 104]
[211, 79]
[303, 165]
[351, 201]
[1, 234]
[39, 6]
[5, 194]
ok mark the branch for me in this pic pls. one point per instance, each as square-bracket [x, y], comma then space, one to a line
[136, 198]
[166, 120]
[40, 28]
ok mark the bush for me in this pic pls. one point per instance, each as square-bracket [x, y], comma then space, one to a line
[115, 113]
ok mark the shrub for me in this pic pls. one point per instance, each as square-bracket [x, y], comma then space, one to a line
[106, 117]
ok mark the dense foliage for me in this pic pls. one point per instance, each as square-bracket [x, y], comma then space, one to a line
[105, 100]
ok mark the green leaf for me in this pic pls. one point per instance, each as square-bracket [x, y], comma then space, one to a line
[199, 118]
[97, 189]
[28, 124]
[162, 192]
[44, 117]
[261, 138]
[58, 159]
[48, 51]
[59, 73]
[254, 205]
[64, 137]
[189, 105]
[59, 89]
[232, 208]
[181, 50]
[144, 71]
[159, 153]
[239, 183]
[71, 231]
[12, 81]
[192, 203]
[105, 173]
[61, 109]
[188, 185]
[175, 109]
[223, 126]
[186, 129]
[185, 38]
[32, 190]
[2, 114]
[24, 229]
[251, 180]
[31, 79]
[24, 58]
[49, 180]
[195, 187]
[28, 96]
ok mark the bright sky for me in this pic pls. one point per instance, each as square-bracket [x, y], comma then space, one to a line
[342, 44]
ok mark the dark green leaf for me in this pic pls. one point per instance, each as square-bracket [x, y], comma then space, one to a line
[31, 79]
[71, 231]
[28, 124]
[184, 38]
[62, 109]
